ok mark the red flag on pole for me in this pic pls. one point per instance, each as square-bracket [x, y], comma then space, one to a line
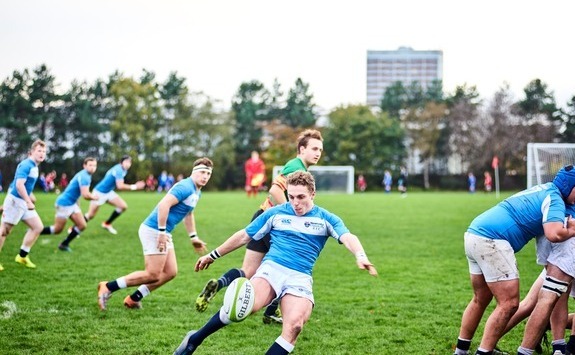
[495, 162]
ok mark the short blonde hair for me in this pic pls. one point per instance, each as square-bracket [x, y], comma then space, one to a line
[38, 142]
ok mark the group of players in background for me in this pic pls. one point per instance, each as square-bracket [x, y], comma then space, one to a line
[19, 204]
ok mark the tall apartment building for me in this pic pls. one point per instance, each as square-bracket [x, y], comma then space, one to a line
[406, 65]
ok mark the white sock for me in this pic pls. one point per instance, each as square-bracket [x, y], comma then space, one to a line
[144, 290]
[522, 350]
[285, 344]
[122, 282]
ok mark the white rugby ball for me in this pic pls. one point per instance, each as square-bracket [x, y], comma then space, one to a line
[239, 299]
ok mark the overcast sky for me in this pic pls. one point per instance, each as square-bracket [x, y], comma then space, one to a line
[218, 44]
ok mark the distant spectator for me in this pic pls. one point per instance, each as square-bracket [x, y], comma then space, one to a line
[50, 181]
[361, 183]
[170, 182]
[162, 180]
[402, 181]
[151, 183]
[63, 181]
[387, 181]
[487, 181]
[471, 181]
[255, 171]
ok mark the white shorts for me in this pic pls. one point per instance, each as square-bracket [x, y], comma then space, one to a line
[494, 258]
[149, 240]
[563, 256]
[66, 211]
[104, 197]
[284, 280]
[15, 210]
[542, 249]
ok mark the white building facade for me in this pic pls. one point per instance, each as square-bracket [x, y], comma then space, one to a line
[406, 65]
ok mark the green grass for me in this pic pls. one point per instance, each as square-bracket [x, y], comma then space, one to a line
[414, 306]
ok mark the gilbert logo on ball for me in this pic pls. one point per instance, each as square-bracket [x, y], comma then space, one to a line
[239, 299]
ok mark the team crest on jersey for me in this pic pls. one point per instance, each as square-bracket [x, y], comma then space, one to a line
[285, 221]
[313, 225]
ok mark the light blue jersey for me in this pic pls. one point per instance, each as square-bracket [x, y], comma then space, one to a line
[74, 189]
[27, 169]
[108, 183]
[187, 194]
[520, 217]
[296, 241]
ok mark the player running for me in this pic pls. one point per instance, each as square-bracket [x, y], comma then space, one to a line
[156, 238]
[114, 179]
[19, 203]
[309, 149]
[67, 204]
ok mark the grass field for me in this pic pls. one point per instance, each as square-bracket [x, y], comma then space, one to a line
[413, 307]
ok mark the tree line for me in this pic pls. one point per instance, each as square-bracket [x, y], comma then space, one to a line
[164, 125]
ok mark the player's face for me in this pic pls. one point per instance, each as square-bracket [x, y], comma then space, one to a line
[201, 177]
[126, 164]
[38, 154]
[300, 198]
[311, 154]
[91, 167]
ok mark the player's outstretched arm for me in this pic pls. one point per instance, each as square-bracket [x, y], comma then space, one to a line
[352, 243]
[238, 239]
[121, 185]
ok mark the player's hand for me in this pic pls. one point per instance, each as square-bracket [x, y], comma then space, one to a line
[162, 242]
[364, 264]
[199, 245]
[95, 196]
[203, 263]
[30, 205]
[140, 185]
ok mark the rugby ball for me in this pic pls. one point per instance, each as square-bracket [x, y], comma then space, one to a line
[239, 299]
[257, 180]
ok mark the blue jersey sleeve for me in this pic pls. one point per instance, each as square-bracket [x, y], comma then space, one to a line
[27, 170]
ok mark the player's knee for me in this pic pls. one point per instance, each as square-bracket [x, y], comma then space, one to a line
[171, 274]
[37, 229]
[153, 276]
[294, 328]
[482, 299]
